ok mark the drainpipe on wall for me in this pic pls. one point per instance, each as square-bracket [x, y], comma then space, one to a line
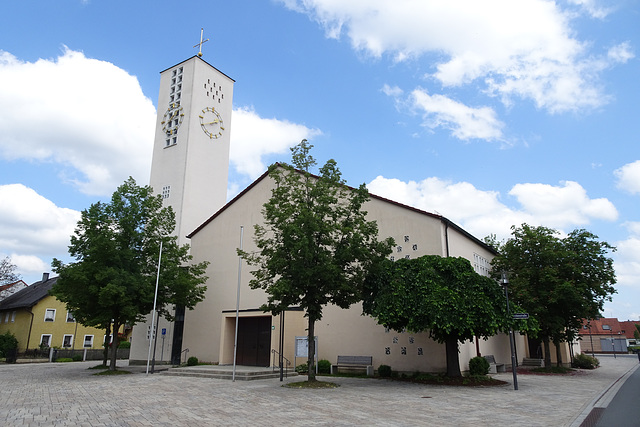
[446, 236]
[30, 326]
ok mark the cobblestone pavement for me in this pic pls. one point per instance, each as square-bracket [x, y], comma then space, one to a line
[67, 394]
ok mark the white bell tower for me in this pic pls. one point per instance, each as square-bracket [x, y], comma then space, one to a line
[191, 150]
[189, 168]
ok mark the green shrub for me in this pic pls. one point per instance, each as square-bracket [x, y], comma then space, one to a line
[302, 369]
[8, 341]
[124, 344]
[64, 359]
[324, 366]
[192, 361]
[384, 371]
[584, 361]
[77, 358]
[478, 366]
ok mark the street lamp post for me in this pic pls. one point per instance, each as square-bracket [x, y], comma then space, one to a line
[505, 284]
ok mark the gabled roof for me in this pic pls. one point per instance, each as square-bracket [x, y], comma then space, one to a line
[612, 326]
[444, 220]
[29, 296]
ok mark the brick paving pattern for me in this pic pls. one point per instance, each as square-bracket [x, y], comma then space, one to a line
[67, 394]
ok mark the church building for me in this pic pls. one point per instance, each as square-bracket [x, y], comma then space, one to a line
[190, 167]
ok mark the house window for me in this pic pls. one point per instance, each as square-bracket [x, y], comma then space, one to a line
[50, 315]
[606, 327]
[13, 317]
[67, 340]
[45, 340]
[70, 317]
[6, 318]
[88, 341]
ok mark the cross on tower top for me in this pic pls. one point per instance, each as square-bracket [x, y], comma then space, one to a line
[199, 45]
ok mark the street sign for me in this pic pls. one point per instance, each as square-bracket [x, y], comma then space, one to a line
[164, 331]
[520, 316]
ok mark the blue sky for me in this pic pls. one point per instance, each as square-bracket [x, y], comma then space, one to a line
[490, 113]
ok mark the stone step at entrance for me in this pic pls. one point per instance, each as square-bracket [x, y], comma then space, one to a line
[225, 372]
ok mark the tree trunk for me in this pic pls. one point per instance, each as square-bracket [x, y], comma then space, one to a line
[105, 353]
[453, 361]
[311, 374]
[558, 353]
[547, 352]
[114, 346]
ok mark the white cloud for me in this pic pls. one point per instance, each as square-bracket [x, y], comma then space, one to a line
[629, 177]
[482, 212]
[86, 115]
[562, 206]
[593, 8]
[621, 53]
[525, 49]
[254, 137]
[464, 122]
[33, 228]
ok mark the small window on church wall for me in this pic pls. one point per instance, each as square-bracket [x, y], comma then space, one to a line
[179, 79]
[174, 72]
[180, 70]
[166, 190]
[179, 87]
[173, 81]
[174, 141]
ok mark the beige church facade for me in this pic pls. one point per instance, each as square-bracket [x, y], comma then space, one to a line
[209, 330]
[189, 169]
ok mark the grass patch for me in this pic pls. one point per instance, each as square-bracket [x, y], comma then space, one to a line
[311, 384]
[116, 372]
[553, 370]
[64, 360]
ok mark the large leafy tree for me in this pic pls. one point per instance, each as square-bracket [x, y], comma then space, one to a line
[441, 295]
[315, 246]
[116, 246]
[7, 272]
[560, 281]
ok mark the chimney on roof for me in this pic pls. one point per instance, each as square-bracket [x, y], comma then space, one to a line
[45, 277]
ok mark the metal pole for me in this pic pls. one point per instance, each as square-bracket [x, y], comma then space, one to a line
[281, 345]
[514, 368]
[235, 341]
[153, 314]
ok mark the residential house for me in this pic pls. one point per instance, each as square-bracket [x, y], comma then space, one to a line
[39, 319]
[11, 288]
[604, 335]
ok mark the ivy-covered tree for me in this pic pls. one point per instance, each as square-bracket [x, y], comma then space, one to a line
[315, 246]
[440, 295]
[560, 281]
[116, 247]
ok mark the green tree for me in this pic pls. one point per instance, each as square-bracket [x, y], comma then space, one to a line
[116, 247]
[636, 333]
[559, 281]
[7, 272]
[315, 246]
[441, 295]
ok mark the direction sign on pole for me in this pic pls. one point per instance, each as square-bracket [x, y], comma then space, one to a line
[520, 316]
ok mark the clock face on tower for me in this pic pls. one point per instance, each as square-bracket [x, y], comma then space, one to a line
[172, 119]
[211, 123]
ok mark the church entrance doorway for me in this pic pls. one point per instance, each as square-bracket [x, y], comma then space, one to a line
[254, 341]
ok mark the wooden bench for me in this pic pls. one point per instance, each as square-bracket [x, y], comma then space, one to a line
[354, 362]
[494, 367]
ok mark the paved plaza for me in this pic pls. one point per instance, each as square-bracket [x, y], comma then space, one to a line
[68, 394]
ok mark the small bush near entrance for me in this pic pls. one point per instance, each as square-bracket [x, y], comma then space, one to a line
[302, 368]
[384, 371]
[192, 361]
[478, 366]
[8, 341]
[77, 358]
[324, 367]
[584, 361]
[124, 344]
